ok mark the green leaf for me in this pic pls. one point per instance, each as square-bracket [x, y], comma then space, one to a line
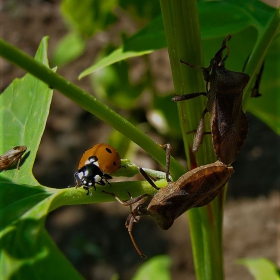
[217, 19]
[68, 49]
[26, 248]
[155, 268]
[150, 38]
[24, 118]
[256, 9]
[88, 16]
[261, 268]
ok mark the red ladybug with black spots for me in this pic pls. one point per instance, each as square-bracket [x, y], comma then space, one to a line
[95, 166]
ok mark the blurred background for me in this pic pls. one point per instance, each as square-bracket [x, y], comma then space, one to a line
[93, 237]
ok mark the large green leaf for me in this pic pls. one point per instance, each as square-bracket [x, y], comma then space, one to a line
[24, 109]
[26, 248]
[261, 268]
[217, 19]
[150, 38]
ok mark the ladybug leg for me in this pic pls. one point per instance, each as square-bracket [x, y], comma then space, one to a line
[87, 184]
[87, 189]
[106, 177]
[101, 183]
[108, 182]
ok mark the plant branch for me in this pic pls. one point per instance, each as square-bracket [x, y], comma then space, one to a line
[89, 103]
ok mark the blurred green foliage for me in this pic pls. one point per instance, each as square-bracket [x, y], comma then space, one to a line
[245, 20]
[261, 268]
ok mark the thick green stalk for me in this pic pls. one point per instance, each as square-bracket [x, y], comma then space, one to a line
[181, 25]
[89, 103]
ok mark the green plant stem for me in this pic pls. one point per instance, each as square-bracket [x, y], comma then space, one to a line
[73, 196]
[258, 55]
[89, 103]
[181, 26]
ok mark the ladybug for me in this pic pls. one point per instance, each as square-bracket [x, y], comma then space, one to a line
[95, 165]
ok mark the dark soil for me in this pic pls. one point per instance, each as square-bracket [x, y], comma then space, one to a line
[93, 237]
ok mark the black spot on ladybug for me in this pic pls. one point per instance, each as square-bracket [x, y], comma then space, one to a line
[108, 150]
[114, 163]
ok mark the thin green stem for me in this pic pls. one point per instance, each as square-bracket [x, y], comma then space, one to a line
[89, 103]
[73, 196]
